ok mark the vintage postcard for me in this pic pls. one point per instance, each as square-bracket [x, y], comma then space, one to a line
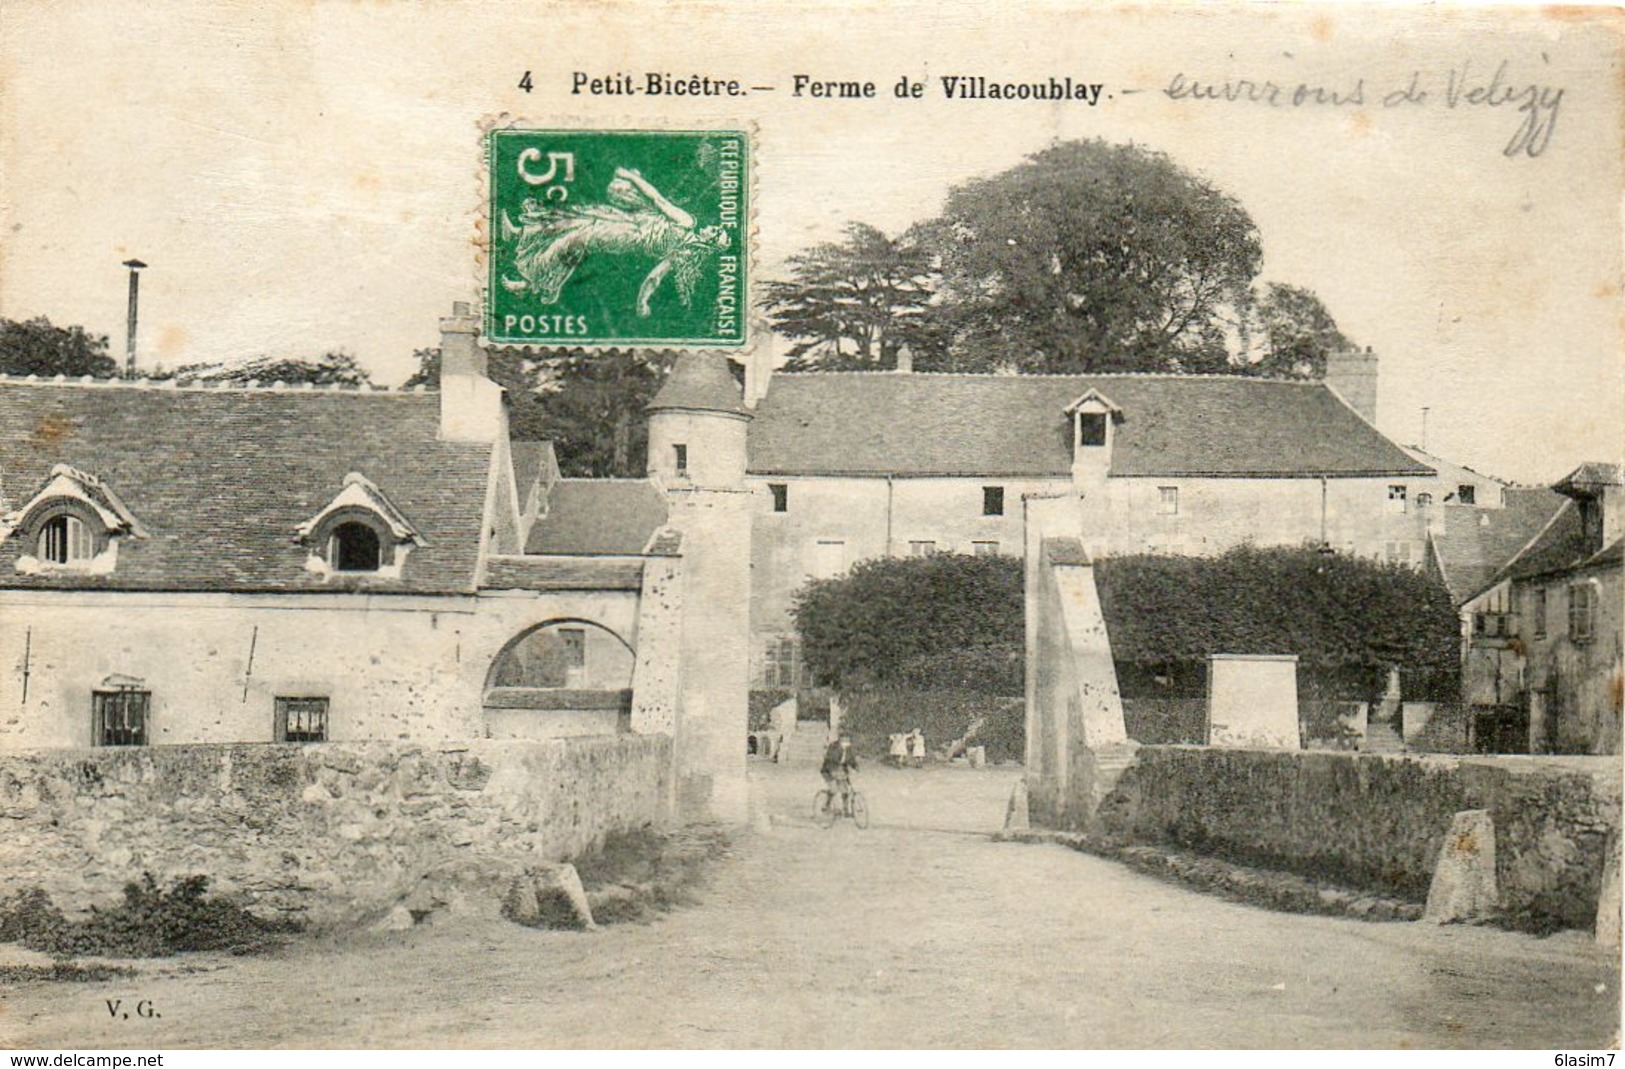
[810, 525]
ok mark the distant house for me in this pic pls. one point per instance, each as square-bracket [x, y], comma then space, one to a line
[1568, 588]
[853, 465]
[1542, 631]
[1469, 549]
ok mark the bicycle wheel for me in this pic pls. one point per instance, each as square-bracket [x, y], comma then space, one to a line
[860, 810]
[824, 809]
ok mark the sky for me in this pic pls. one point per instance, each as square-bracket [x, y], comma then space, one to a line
[305, 176]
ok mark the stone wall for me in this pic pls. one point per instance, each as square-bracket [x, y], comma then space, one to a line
[1379, 821]
[332, 833]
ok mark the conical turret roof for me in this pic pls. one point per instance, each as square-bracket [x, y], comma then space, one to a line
[700, 382]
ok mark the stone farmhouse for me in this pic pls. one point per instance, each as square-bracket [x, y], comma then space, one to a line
[849, 466]
[187, 564]
[1542, 661]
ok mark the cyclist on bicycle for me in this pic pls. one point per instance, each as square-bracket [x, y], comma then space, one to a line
[840, 761]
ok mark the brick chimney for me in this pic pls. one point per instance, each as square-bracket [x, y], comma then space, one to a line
[470, 403]
[1353, 374]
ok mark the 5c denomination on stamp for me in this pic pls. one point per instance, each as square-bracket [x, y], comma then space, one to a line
[618, 237]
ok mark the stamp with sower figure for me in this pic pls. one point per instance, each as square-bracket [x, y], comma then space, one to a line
[618, 237]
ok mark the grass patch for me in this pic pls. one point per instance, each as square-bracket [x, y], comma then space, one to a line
[637, 875]
[151, 922]
[62, 972]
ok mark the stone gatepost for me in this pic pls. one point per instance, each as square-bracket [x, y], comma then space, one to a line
[1077, 744]
[1252, 702]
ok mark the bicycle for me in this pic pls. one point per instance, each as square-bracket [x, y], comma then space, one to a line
[826, 812]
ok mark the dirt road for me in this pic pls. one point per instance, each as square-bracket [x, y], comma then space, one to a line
[917, 932]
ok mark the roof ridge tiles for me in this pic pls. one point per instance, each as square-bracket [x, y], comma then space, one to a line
[1001, 376]
[252, 386]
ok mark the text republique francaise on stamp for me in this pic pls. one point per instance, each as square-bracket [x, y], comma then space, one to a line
[618, 237]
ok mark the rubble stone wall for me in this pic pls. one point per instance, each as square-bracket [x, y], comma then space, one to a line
[332, 833]
[1379, 821]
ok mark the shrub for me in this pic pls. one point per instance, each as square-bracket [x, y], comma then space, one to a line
[150, 922]
[893, 620]
[1347, 619]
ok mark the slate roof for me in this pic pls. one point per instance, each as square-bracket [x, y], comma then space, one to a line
[614, 517]
[562, 573]
[1560, 544]
[221, 477]
[1592, 474]
[876, 423]
[1476, 543]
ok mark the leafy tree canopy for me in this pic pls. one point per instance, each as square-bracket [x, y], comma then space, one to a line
[1087, 257]
[1092, 256]
[331, 369]
[945, 620]
[38, 347]
[956, 621]
[1344, 617]
[850, 305]
[590, 405]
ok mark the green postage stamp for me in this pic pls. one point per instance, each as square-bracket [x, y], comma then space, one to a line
[618, 237]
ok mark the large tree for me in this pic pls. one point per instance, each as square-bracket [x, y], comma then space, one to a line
[38, 347]
[1092, 256]
[1287, 331]
[850, 305]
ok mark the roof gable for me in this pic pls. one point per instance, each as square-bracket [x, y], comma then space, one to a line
[879, 423]
[1476, 543]
[222, 479]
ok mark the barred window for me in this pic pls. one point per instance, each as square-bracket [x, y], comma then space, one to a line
[301, 720]
[121, 717]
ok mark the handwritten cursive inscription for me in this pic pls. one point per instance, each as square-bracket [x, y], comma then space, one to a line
[1535, 104]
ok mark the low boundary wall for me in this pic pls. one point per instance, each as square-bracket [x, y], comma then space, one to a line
[331, 833]
[1379, 821]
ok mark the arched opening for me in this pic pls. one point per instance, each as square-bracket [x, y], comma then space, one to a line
[66, 539]
[562, 677]
[354, 547]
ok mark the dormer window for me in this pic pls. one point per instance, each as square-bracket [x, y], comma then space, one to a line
[66, 540]
[73, 523]
[359, 533]
[1091, 428]
[1092, 415]
[354, 547]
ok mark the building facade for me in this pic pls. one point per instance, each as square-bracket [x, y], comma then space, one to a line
[189, 564]
[849, 466]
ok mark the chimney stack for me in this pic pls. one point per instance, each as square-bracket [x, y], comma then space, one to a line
[470, 403]
[1353, 374]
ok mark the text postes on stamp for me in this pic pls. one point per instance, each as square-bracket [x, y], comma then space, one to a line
[618, 237]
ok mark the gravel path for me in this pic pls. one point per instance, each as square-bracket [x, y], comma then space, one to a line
[917, 932]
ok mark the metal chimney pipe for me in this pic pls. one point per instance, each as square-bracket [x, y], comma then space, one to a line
[129, 336]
